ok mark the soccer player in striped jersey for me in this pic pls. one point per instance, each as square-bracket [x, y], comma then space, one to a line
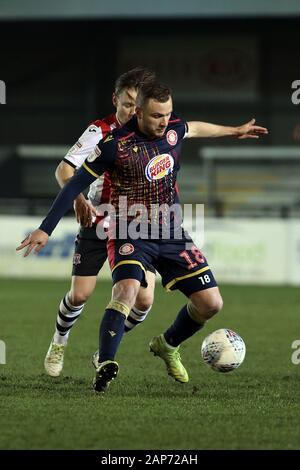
[143, 159]
[90, 252]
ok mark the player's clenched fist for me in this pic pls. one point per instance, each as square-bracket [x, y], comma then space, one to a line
[34, 241]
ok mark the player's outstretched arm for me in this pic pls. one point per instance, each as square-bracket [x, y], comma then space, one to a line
[39, 238]
[91, 169]
[35, 241]
[64, 172]
[250, 130]
[84, 211]
[206, 129]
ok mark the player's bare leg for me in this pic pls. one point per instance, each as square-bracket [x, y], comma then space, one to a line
[70, 309]
[143, 303]
[201, 307]
[82, 287]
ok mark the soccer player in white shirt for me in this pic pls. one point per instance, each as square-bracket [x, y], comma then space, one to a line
[90, 251]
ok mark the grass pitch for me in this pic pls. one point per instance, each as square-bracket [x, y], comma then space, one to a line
[254, 407]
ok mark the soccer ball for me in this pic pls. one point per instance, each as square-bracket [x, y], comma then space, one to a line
[223, 350]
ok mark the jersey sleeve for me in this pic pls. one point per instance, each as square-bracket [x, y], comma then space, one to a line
[179, 125]
[65, 198]
[102, 157]
[86, 144]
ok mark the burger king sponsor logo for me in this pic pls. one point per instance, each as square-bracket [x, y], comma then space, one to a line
[159, 167]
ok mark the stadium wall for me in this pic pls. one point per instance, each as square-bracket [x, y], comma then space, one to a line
[243, 251]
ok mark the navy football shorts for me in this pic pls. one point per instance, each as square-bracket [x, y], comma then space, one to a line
[90, 253]
[180, 263]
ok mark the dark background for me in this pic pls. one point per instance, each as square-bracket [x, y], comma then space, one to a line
[59, 76]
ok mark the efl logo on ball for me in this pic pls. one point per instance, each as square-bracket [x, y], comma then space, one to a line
[159, 167]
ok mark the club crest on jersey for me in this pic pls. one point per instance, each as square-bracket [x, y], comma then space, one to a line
[95, 153]
[126, 249]
[159, 167]
[172, 137]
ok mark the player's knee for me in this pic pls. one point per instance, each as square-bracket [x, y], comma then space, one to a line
[215, 306]
[143, 306]
[212, 307]
[144, 301]
[205, 310]
[78, 297]
[126, 291]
